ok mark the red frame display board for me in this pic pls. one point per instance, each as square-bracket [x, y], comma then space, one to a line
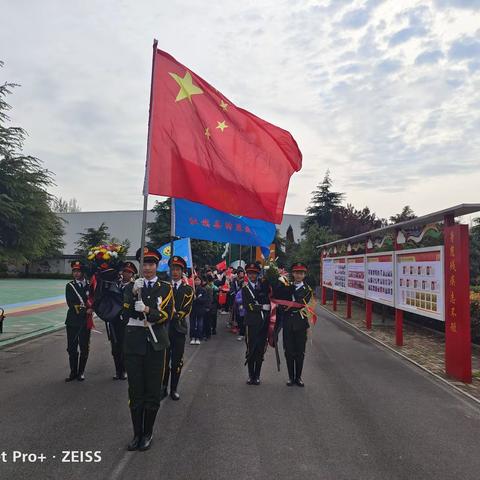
[356, 275]
[328, 272]
[380, 271]
[433, 282]
[409, 280]
[419, 284]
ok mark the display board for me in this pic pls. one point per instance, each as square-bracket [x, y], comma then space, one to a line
[356, 275]
[420, 282]
[328, 272]
[340, 274]
[380, 278]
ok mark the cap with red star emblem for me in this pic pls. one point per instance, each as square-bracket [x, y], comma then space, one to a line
[179, 261]
[150, 255]
[299, 267]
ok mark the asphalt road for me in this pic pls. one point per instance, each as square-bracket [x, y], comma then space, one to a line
[364, 414]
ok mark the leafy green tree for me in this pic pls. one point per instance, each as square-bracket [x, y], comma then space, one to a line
[406, 214]
[29, 229]
[348, 221]
[323, 204]
[309, 253]
[91, 238]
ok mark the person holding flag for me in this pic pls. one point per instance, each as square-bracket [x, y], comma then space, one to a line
[148, 307]
[255, 299]
[178, 327]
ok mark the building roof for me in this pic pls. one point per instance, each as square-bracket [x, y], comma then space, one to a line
[127, 224]
[457, 211]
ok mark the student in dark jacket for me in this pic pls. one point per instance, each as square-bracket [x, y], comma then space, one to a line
[200, 304]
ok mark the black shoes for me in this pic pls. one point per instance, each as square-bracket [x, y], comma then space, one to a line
[174, 395]
[71, 377]
[256, 381]
[299, 382]
[250, 381]
[145, 442]
[134, 444]
[120, 376]
[290, 382]
[81, 377]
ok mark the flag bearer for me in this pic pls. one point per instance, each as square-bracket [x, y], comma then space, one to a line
[148, 306]
[255, 299]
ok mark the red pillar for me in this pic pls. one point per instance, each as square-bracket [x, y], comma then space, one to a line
[398, 313]
[368, 303]
[349, 306]
[458, 347]
[368, 314]
[334, 300]
[399, 327]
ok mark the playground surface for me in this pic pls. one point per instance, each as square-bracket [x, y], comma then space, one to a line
[32, 307]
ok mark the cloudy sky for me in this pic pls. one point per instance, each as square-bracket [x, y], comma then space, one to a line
[384, 93]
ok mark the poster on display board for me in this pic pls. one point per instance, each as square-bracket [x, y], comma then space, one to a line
[340, 274]
[380, 278]
[356, 276]
[419, 282]
[328, 272]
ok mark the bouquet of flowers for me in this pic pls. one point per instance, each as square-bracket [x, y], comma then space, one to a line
[106, 257]
[271, 271]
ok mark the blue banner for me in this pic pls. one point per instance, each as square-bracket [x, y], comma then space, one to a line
[181, 248]
[199, 221]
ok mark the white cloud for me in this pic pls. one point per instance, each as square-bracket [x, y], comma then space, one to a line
[384, 93]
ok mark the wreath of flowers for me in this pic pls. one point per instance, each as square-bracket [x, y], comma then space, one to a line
[104, 257]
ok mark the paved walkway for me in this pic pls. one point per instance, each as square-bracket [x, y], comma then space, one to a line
[365, 414]
[32, 307]
[424, 346]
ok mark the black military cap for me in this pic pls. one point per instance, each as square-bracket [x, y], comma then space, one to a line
[130, 266]
[299, 267]
[176, 260]
[77, 265]
[253, 267]
[150, 255]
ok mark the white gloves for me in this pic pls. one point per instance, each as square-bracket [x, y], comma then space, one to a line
[266, 308]
[138, 284]
[139, 306]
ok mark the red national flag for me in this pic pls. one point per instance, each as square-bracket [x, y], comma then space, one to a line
[222, 266]
[205, 149]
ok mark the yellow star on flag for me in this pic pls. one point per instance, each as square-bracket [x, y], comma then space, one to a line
[222, 126]
[207, 133]
[223, 105]
[187, 88]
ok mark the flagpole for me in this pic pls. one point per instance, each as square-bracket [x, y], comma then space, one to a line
[147, 165]
[172, 225]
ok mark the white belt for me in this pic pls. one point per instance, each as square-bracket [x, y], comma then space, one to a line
[134, 322]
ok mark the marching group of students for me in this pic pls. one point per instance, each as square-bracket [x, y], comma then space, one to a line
[148, 327]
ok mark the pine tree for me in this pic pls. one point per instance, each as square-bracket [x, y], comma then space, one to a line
[323, 204]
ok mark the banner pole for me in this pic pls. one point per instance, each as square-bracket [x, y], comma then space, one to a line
[147, 164]
[172, 225]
